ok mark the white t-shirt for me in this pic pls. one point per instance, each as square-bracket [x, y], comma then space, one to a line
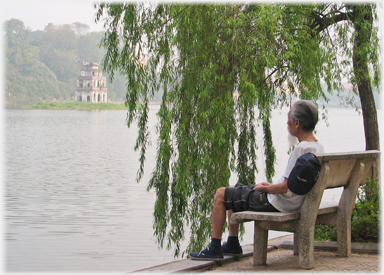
[290, 202]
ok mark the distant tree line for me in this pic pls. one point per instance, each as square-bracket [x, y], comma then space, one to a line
[43, 65]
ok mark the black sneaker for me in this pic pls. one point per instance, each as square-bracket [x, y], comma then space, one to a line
[206, 255]
[234, 250]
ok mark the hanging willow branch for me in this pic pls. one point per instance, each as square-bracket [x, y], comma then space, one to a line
[200, 55]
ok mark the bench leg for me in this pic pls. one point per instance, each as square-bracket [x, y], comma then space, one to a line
[344, 237]
[306, 249]
[344, 214]
[260, 246]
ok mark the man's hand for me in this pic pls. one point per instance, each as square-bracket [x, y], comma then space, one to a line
[262, 187]
[272, 188]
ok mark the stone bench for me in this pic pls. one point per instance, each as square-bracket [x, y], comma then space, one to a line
[349, 170]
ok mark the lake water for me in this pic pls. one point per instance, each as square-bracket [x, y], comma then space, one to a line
[71, 200]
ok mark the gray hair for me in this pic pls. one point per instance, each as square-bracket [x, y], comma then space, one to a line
[305, 112]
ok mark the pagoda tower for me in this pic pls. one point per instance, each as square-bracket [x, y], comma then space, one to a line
[91, 84]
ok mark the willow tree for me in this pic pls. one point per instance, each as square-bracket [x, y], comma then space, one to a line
[200, 55]
[349, 29]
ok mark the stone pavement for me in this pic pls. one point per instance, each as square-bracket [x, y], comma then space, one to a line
[284, 261]
[365, 258]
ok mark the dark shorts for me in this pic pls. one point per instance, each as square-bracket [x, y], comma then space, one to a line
[244, 198]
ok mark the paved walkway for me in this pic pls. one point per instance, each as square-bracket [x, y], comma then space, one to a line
[283, 260]
[365, 258]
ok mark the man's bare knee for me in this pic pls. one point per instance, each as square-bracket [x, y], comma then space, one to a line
[219, 197]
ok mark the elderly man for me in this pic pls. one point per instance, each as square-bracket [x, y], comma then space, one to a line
[302, 119]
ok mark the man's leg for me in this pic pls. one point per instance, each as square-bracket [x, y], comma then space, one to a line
[218, 214]
[233, 228]
[213, 252]
[232, 246]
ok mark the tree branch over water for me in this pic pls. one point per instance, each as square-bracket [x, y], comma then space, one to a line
[200, 55]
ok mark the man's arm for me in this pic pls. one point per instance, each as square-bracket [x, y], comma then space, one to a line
[271, 188]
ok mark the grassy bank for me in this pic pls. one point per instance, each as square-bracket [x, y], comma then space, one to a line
[77, 106]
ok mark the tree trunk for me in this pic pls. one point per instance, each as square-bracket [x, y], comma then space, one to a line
[362, 21]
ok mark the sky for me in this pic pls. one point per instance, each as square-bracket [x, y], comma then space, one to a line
[39, 13]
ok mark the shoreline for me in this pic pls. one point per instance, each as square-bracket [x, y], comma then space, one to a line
[71, 105]
[76, 106]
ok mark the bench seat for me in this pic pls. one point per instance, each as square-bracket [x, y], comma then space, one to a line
[246, 216]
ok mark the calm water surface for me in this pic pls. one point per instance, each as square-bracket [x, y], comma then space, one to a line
[71, 200]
